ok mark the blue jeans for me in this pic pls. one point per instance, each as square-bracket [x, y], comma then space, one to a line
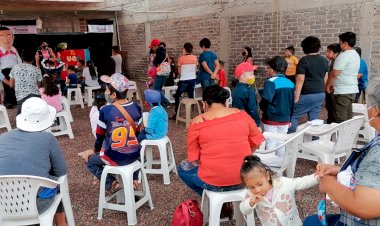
[192, 180]
[96, 165]
[207, 82]
[159, 82]
[309, 104]
[332, 219]
[184, 86]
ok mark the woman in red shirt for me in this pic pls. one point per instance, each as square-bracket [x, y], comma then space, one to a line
[217, 143]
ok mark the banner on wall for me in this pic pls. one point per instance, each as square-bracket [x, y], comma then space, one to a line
[23, 29]
[100, 28]
[72, 56]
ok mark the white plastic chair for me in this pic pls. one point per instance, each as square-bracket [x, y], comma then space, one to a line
[4, 119]
[288, 162]
[212, 203]
[229, 100]
[66, 107]
[366, 132]
[326, 150]
[78, 99]
[167, 160]
[64, 127]
[125, 197]
[18, 194]
[88, 91]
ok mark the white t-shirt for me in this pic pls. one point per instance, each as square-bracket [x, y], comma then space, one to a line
[188, 64]
[94, 117]
[88, 79]
[118, 60]
[348, 63]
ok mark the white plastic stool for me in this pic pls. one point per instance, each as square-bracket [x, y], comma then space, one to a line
[169, 91]
[133, 92]
[212, 203]
[167, 160]
[78, 99]
[198, 89]
[64, 125]
[4, 119]
[188, 110]
[124, 197]
[88, 94]
[66, 107]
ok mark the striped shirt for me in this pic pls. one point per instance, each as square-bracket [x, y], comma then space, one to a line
[8, 59]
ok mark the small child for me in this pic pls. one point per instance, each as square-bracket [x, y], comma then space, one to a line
[100, 101]
[157, 127]
[72, 78]
[152, 74]
[50, 92]
[332, 53]
[222, 81]
[243, 95]
[292, 63]
[272, 197]
[277, 102]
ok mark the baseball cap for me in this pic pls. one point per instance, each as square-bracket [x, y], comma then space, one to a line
[244, 67]
[154, 42]
[117, 80]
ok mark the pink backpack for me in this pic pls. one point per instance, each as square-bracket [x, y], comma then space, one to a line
[188, 214]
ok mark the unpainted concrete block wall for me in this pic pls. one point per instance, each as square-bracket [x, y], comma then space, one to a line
[266, 26]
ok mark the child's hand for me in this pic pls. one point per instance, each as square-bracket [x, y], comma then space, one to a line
[323, 169]
[85, 154]
[255, 199]
[214, 76]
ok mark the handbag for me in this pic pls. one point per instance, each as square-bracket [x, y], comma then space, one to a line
[164, 68]
[188, 214]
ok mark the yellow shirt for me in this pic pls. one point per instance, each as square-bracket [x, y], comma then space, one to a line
[292, 65]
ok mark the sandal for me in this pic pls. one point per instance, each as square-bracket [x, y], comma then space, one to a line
[115, 187]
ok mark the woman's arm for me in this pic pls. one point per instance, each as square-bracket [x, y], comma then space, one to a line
[362, 202]
[300, 79]
[193, 146]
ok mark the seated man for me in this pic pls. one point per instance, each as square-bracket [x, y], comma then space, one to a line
[28, 150]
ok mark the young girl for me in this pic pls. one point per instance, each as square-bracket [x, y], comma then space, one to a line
[100, 101]
[222, 81]
[90, 75]
[272, 197]
[50, 92]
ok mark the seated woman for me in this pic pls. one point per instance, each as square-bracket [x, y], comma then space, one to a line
[217, 142]
[360, 205]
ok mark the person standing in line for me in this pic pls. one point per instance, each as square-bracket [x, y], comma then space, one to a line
[247, 55]
[117, 58]
[8, 58]
[292, 63]
[362, 75]
[309, 93]
[331, 54]
[343, 79]
[209, 64]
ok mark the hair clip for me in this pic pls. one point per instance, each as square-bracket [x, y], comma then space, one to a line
[46, 75]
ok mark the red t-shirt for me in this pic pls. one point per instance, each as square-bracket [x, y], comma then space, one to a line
[222, 81]
[220, 145]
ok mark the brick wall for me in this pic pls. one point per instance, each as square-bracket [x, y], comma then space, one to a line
[132, 39]
[269, 34]
[231, 26]
[375, 55]
[175, 33]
